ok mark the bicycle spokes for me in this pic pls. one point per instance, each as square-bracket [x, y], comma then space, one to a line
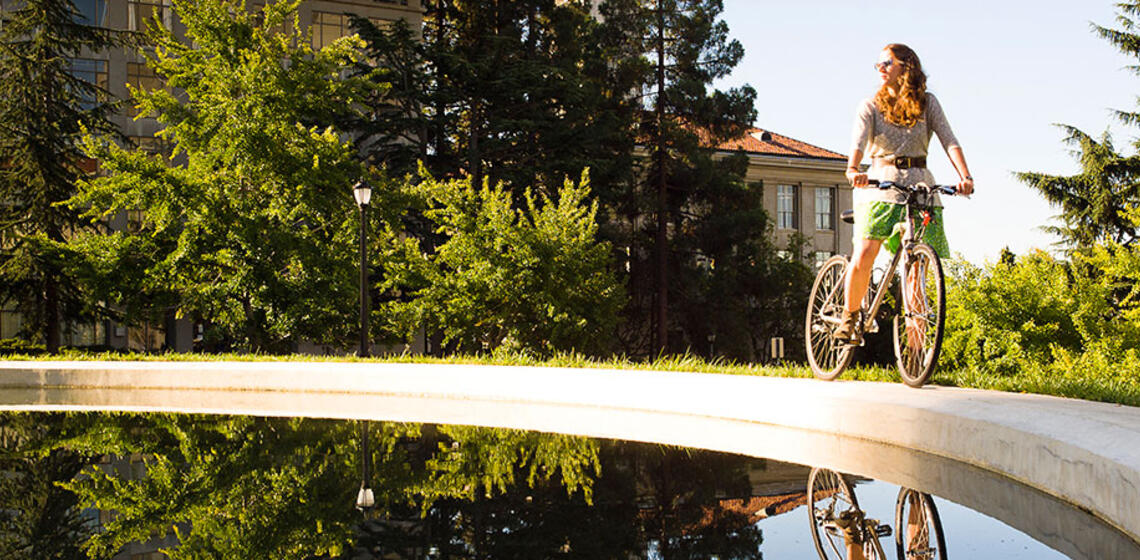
[918, 327]
[826, 355]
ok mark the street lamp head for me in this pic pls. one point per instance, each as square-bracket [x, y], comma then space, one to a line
[362, 192]
[365, 499]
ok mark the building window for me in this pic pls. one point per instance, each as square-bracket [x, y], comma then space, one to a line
[820, 257]
[140, 12]
[152, 144]
[84, 334]
[93, 72]
[786, 203]
[11, 321]
[91, 12]
[825, 208]
[328, 27]
[141, 77]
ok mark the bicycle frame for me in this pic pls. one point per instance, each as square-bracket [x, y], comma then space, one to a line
[909, 235]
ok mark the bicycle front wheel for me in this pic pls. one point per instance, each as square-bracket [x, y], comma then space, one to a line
[918, 529]
[922, 312]
[828, 495]
[827, 356]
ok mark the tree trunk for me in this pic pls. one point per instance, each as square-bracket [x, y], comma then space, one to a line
[661, 241]
[52, 329]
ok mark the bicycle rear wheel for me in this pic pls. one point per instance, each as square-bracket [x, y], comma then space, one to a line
[827, 356]
[922, 312]
[918, 529]
[828, 495]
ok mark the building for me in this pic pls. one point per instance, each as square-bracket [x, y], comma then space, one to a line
[805, 189]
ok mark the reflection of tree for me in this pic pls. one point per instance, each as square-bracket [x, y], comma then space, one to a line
[680, 494]
[648, 501]
[230, 487]
[242, 487]
[37, 518]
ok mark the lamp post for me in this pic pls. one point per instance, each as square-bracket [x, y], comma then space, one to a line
[363, 194]
[365, 499]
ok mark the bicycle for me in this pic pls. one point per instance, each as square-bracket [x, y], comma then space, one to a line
[921, 298]
[918, 534]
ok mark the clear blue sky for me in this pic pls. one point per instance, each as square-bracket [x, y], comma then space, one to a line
[1004, 70]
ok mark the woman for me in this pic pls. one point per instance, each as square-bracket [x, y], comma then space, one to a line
[894, 128]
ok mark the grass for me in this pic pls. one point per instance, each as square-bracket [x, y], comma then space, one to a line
[1116, 390]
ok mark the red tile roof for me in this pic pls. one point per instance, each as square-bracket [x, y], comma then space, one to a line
[766, 142]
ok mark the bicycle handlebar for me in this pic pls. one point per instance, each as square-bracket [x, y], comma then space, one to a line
[884, 185]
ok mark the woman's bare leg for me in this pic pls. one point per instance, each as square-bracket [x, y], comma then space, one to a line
[859, 273]
[855, 552]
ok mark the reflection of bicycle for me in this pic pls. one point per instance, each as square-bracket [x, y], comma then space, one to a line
[922, 302]
[834, 510]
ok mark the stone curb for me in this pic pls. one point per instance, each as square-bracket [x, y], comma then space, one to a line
[1084, 453]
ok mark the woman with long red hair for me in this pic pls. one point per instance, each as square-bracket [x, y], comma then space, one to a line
[893, 128]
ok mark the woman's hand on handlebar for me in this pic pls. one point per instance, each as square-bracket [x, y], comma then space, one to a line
[857, 179]
[966, 187]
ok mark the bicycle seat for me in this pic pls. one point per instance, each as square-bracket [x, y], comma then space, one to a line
[847, 216]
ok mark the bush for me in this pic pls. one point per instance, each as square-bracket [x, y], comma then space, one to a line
[9, 346]
[1040, 316]
[534, 279]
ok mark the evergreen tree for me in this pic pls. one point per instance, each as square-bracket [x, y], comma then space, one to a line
[1093, 202]
[511, 91]
[44, 109]
[676, 49]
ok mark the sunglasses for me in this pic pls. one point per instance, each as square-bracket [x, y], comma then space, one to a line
[884, 65]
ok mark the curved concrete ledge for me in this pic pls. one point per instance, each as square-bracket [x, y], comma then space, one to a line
[958, 443]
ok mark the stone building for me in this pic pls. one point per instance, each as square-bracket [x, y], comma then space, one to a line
[804, 188]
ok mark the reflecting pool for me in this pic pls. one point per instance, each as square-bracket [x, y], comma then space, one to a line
[127, 485]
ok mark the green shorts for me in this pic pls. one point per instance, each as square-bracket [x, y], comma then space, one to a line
[882, 221]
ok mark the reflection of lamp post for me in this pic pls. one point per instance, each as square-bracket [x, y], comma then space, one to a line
[365, 499]
[363, 194]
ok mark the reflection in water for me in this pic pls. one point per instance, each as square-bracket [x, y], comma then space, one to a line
[196, 486]
[841, 529]
[246, 487]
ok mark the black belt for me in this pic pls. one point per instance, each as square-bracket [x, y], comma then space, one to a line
[903, 162]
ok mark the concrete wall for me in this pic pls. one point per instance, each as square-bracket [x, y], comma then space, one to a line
[965, 445]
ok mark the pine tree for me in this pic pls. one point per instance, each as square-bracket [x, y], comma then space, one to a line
[1093, 202]
[44, 109]
[510, 91]
[676, 49]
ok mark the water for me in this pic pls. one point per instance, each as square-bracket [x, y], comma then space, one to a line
[250, 487]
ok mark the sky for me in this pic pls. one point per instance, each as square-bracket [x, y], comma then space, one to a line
[1005, 71]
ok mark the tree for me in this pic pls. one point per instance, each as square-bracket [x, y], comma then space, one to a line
[250, 222]
[45, 106]
[510, 91]
[1093, 201]
[525, 94]
[677, 48]
[535, 279]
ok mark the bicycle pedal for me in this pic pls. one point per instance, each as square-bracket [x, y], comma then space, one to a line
[883, 530]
